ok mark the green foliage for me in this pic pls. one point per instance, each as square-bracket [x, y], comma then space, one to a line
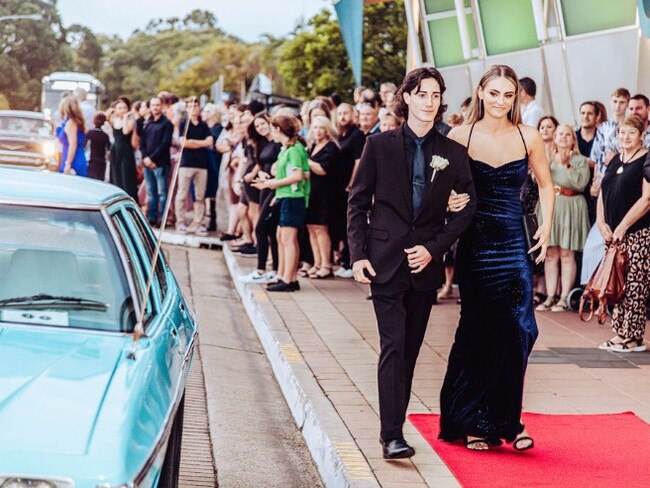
[314, 61]
[29, 50]
[187, 55]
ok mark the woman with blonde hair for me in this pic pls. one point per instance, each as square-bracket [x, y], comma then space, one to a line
[482, 394]
[72, 135]
[570, 173]
[323, 158]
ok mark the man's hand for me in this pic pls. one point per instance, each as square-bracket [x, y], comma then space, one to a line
[149, 163]
[358, 269]
[418, 258]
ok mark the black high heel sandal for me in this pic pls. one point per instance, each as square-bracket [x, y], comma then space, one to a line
[526, 440]
[473, 444]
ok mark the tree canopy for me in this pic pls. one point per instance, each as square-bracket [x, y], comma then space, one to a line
[187, 55]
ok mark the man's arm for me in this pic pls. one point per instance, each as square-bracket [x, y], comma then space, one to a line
[359, 203]
[457, 221]
[167, 132]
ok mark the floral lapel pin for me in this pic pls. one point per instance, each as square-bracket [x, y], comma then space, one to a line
[438, 163]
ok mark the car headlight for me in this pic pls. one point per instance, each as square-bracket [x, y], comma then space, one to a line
[33, 483]
[49, 148]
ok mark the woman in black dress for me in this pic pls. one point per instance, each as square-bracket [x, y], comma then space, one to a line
[123, 170]
[481, 398]
[323, 157]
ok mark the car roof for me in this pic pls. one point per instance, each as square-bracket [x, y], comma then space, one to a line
[22, 186]
[22, 113]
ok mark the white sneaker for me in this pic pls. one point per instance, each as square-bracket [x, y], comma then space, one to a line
[344, 273]
[255, 277]
[181, 229]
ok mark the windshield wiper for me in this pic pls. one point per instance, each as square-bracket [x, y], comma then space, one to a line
[43, 301]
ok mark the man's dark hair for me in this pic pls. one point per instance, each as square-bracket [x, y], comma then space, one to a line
[466, 103]
[642, 97]
[256, 107]
[529, 86]
[412, 82]
[336, 99]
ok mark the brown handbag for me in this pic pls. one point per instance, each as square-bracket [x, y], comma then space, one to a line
[607, 285]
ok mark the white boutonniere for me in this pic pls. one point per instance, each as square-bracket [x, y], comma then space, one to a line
[438, 163]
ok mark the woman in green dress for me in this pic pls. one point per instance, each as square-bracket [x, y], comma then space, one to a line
[570, 173]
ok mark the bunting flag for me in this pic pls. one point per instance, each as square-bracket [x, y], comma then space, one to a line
[350, 14]
[644, 17]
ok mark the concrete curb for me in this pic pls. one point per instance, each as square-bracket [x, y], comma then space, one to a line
[333, 449]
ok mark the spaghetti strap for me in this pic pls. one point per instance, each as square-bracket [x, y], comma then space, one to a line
[522, 139]
[469, 138]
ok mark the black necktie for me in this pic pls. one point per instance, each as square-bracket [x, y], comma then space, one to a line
[418, 174]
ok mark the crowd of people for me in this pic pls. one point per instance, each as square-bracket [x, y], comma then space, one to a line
[276, 182]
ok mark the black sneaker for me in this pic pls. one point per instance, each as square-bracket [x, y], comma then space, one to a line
[247, 250]
[295, 285]
[282, 286]
[228, 237]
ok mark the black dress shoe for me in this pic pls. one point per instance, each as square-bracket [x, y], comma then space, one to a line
[228, 237]
[397, 449]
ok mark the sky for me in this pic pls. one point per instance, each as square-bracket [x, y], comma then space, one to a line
[247, 19]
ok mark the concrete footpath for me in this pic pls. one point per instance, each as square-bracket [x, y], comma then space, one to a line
[238, 431]
[323, 346]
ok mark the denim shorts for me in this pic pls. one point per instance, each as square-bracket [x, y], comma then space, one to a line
[292, 212]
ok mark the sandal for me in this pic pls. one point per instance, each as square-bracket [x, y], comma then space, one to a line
[479, 444]
[523, 443]
[560, 306]
[629, 345]
[303, 271]
[546, 305]
[607, 346]
[538, 298]
[323, 272]
[445, 293]
[311, 272]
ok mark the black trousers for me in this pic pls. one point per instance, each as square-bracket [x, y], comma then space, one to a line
[402, 315]
[267, 224]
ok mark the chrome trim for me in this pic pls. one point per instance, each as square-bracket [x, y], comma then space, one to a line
[26, 202]
[117, 241]
[18, 325]
[163, 437]
[40, 477]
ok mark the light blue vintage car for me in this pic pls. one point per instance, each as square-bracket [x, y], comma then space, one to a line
[85, 401]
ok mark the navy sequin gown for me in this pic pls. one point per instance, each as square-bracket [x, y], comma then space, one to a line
[482, 392]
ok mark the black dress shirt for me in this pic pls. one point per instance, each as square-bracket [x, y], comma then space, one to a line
[409, 150]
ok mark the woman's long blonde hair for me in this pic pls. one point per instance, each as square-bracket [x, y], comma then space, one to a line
[476, 111]
[329, 130]
[69, 108]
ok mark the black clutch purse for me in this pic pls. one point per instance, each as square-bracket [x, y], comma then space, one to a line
[530, 229]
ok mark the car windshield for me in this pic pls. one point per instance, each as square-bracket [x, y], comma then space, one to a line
[60, 267]
[13, 123]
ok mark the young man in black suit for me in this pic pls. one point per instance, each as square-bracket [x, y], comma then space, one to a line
[398, 230]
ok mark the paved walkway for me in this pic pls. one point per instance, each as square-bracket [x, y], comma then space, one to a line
[325, 335]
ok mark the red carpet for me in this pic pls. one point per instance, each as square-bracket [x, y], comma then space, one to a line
[571, 451]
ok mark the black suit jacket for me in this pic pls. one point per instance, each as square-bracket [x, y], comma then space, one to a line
[381, 223]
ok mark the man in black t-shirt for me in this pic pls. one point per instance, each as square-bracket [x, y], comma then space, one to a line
[351, 140]
[193, 168]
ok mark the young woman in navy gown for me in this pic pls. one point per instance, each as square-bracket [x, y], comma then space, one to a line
[481, 398]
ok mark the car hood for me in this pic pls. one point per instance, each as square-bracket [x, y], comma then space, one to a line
[52, 386]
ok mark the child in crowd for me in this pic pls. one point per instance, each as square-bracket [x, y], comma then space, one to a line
[100, 144]
[292, 188]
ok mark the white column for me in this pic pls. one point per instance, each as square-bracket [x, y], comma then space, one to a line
[414, 55]
[461, 17]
